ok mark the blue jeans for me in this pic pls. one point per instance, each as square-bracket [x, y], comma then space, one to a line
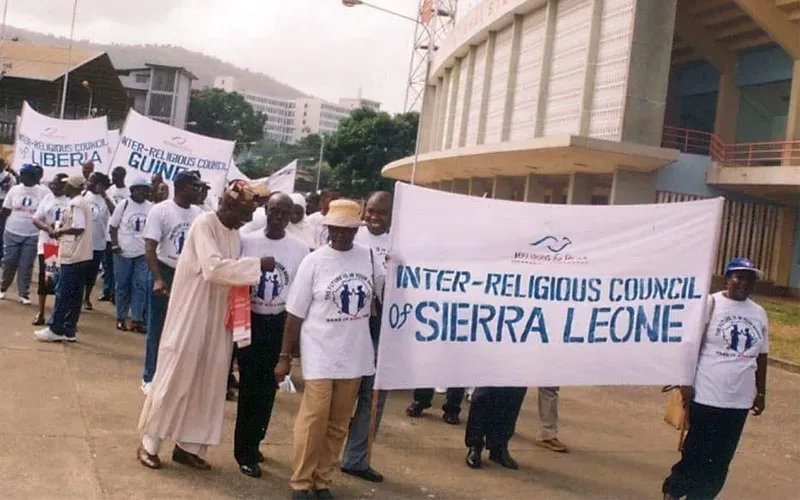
[130, 277]
[19, 254]
[355, 450]
[109, 275]
[2, 231]
[156, 313]
[69, 295]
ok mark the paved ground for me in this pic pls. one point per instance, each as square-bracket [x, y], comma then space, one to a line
[69, 415]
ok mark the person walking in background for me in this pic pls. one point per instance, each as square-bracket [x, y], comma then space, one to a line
[116, 193]
[730, 380]
[257, 384]
[75, 256]
[298, 222]
[87, 170]
[48, 218]
[102, 208]
[375, 235]
[423, 399]
[335, 347]
[21, 235]
[165, 233]
[320, 230]
[130, 265]
[8, 178]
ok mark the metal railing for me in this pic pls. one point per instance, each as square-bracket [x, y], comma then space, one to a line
[750, 154]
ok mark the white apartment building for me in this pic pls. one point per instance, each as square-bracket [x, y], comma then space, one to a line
[160, 92]
[289, 120]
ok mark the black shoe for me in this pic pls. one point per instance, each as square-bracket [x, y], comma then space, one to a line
[474, 457]
[451, 418]
[261, 458]
[104, 298]
[503, 458]
[302, 495]
[87, 304]
[416, 408]
[252, 470]
[230, 395]
[368, 474]
[323, 494]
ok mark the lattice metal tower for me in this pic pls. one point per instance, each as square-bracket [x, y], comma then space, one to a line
[436, 19]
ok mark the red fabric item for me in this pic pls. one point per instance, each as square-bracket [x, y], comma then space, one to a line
[237, 317]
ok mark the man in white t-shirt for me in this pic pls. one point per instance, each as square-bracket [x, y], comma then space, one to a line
[126, 229]
[48, 217]
[730, 380]
[330, 301]
[257, 384]
[165, 235]
[102, 208]
[21, 235]
[318, 229]
[117, 193]
[375, 235]
[75, 256]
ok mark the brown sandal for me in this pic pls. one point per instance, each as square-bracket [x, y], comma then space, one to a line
[148, 460]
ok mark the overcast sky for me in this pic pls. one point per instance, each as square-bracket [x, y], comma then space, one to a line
[318, 46]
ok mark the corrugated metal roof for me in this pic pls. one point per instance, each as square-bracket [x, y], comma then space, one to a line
[41, 62]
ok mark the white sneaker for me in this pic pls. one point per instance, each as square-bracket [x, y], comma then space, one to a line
[25, 301]
[145, 388]
[71, 339]
[2, 295]
[441, 390]
[47, 335]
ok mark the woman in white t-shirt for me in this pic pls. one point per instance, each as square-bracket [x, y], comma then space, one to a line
[21, 235]
[328, 308]
[731, 379]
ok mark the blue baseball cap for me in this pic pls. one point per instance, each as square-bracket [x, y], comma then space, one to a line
[140, 183]
[741, 264]
[187, 176]
[28, 168]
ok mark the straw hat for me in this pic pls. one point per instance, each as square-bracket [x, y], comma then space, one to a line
[343, 213]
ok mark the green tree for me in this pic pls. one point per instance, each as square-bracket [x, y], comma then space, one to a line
[363, 144]
[225, 115]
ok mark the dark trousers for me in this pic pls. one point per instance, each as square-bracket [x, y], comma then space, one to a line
[2, 231]
[156, 313]
[69, 296]
[493, 414]
[707, 452]
[257, 386]
[108, 273]
[92, 270]
[453, 398]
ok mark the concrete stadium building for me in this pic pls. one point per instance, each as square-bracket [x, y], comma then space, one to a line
[625, 102]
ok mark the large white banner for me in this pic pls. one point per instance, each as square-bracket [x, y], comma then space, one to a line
[150, 147]
[485, 292]
[282, 180]
[60, 146]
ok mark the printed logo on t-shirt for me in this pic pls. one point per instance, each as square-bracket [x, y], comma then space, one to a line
[271, 284]
[58, 214]
[740, 335]
[26, 202]
[178, 236]
[136, 222]
[352, 294]
[97, 210]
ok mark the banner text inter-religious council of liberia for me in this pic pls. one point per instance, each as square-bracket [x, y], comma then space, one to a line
[485, 292]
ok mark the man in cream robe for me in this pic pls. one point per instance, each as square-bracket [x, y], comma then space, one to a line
[187, 396]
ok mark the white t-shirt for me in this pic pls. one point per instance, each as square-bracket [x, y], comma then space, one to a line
[51, 210]
[319, 231]
[333, 294]
[117, 194]
[130, 219]
[303, 232]
[380, 244]
[168, 224]
[269, 296]
[726, 371]
[23, 202]
[71, 248]
[100, 218]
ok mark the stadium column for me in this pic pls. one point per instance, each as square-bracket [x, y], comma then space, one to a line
[579, 191]
[632, 188]
[534, 189]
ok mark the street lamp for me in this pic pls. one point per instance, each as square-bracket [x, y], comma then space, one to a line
[88, 87]
[353, 3]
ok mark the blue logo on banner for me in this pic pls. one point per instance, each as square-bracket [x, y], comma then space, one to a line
[552, 243]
